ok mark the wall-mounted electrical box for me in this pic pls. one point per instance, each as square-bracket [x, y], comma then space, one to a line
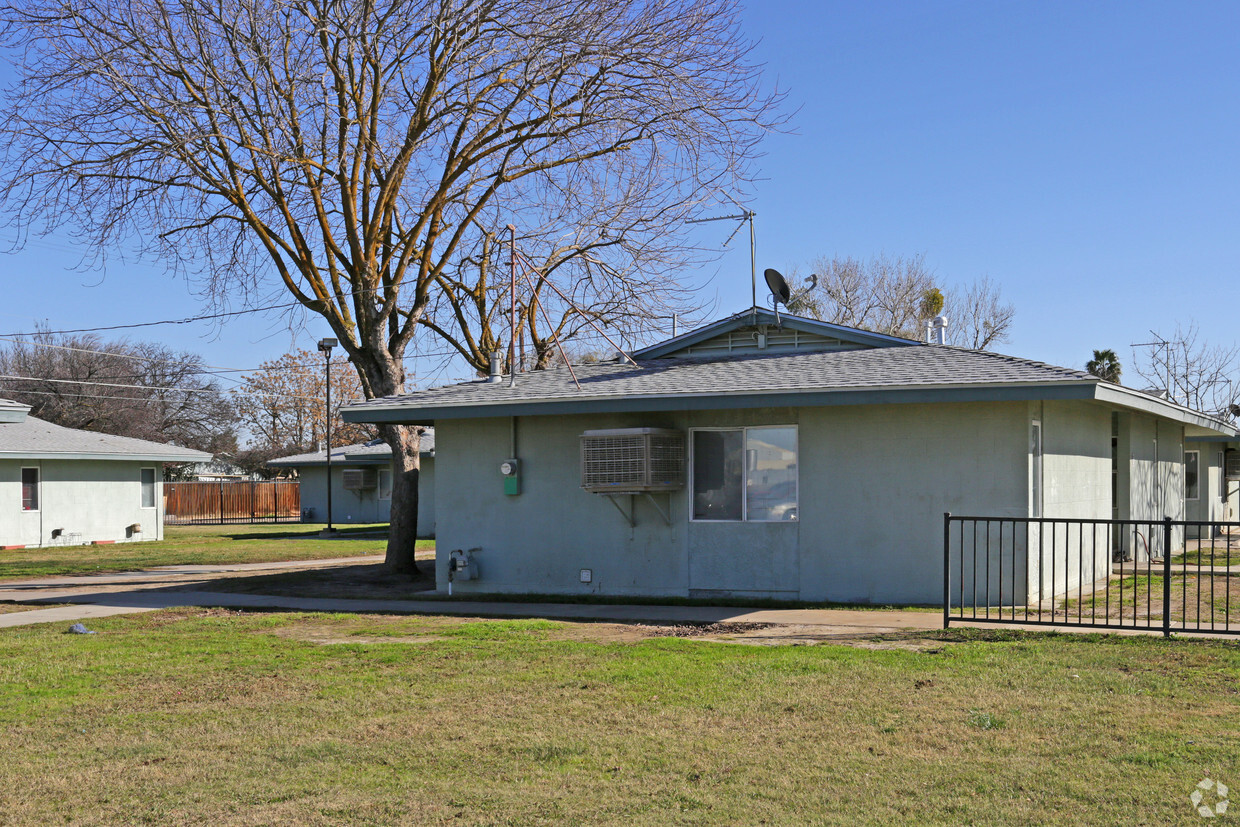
[510, 470]
[632, 460]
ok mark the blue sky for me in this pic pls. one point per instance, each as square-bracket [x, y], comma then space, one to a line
[1081, 155]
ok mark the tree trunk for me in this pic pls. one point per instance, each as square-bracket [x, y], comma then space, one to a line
[406, 444]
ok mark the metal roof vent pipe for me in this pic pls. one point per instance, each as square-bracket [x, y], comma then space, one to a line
[939, 330]
[496, 375]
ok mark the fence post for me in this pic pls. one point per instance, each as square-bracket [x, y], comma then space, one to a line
[947, 568]
[253, 497]
[221, 502]
[1166, 577]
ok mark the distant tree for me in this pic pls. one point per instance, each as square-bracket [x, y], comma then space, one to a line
[136, 389]
[978, 317]
[282, 404]
[1105, 365]
[897, 296]
[254, 460]
[1192, 372]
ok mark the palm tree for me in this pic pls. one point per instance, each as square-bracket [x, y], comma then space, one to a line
[1105, 365]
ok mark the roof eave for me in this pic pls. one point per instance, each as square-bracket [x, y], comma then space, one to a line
[197, 456]
[1201, 424]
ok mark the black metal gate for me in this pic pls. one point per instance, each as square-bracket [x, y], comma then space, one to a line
[1157, 575]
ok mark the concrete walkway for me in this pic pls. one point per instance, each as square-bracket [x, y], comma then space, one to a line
[102, 595]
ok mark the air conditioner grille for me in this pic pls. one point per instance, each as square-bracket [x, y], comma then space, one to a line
[358, 479]
[1231, 461]
[634, 459]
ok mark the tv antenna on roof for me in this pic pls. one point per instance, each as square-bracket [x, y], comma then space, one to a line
[744, 215]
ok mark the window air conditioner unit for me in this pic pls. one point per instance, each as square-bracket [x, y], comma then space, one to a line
[359, 479]
[632, 460]
[1231, 464]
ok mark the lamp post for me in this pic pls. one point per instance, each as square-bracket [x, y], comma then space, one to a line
[325, 347]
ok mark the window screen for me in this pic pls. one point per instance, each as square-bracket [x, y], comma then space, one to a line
[148, 487]
[385, 484]
[1035, 451]
[30, 489]
[717, 475]
[1191, 461]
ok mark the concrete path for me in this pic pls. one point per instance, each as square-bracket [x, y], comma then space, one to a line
[101, 595]
[109, 603]
[161, 574]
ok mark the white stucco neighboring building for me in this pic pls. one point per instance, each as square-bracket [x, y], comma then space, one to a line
[62, 486]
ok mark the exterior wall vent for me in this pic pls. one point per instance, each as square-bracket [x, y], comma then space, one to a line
[359, 479]
[632, 460]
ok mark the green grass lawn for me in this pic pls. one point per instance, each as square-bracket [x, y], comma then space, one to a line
[209, 717]
[199, 545]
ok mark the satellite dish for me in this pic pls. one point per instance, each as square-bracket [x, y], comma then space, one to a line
[779, 287]
[780, 292]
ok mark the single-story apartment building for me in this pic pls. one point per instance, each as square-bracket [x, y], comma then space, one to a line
[63, 486]
[361, 480]
[790, 458]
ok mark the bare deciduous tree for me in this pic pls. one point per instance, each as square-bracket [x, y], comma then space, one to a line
[360, 155]
[282, 404]
[897, 296]
[1192, 372]
[135, 389]
[978, 316]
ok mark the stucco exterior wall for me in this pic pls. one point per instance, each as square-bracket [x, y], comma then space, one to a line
[96, 500]
[1156, 477]
[874, 483]
[1076, 484]
[363, 506]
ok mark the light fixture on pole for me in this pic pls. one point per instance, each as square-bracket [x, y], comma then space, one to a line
[325, 347]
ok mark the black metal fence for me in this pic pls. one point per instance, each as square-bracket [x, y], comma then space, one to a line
[1157, 575]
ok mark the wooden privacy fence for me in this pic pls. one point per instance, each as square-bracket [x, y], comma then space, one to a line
[220, 503]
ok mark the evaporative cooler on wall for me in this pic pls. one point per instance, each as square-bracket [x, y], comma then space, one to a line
[633, 461]
[359, 479]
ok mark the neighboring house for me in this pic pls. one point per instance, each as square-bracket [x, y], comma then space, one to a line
[61, 486]
[800, 460]
[361, 483]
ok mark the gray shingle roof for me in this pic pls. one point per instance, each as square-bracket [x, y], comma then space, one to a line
[366, 453]
[895, 367]
[33, 438]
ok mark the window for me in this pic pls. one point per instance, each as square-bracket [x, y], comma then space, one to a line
[148, 487]
[1035, 453]
[745, 474]
[30, 489]
[1222, 482]
[385, 483]
[1191, 489]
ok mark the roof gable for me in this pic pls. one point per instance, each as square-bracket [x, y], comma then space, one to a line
[757, 331]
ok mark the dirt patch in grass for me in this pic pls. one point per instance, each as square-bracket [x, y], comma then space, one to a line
[9, 608]
[752, 634]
